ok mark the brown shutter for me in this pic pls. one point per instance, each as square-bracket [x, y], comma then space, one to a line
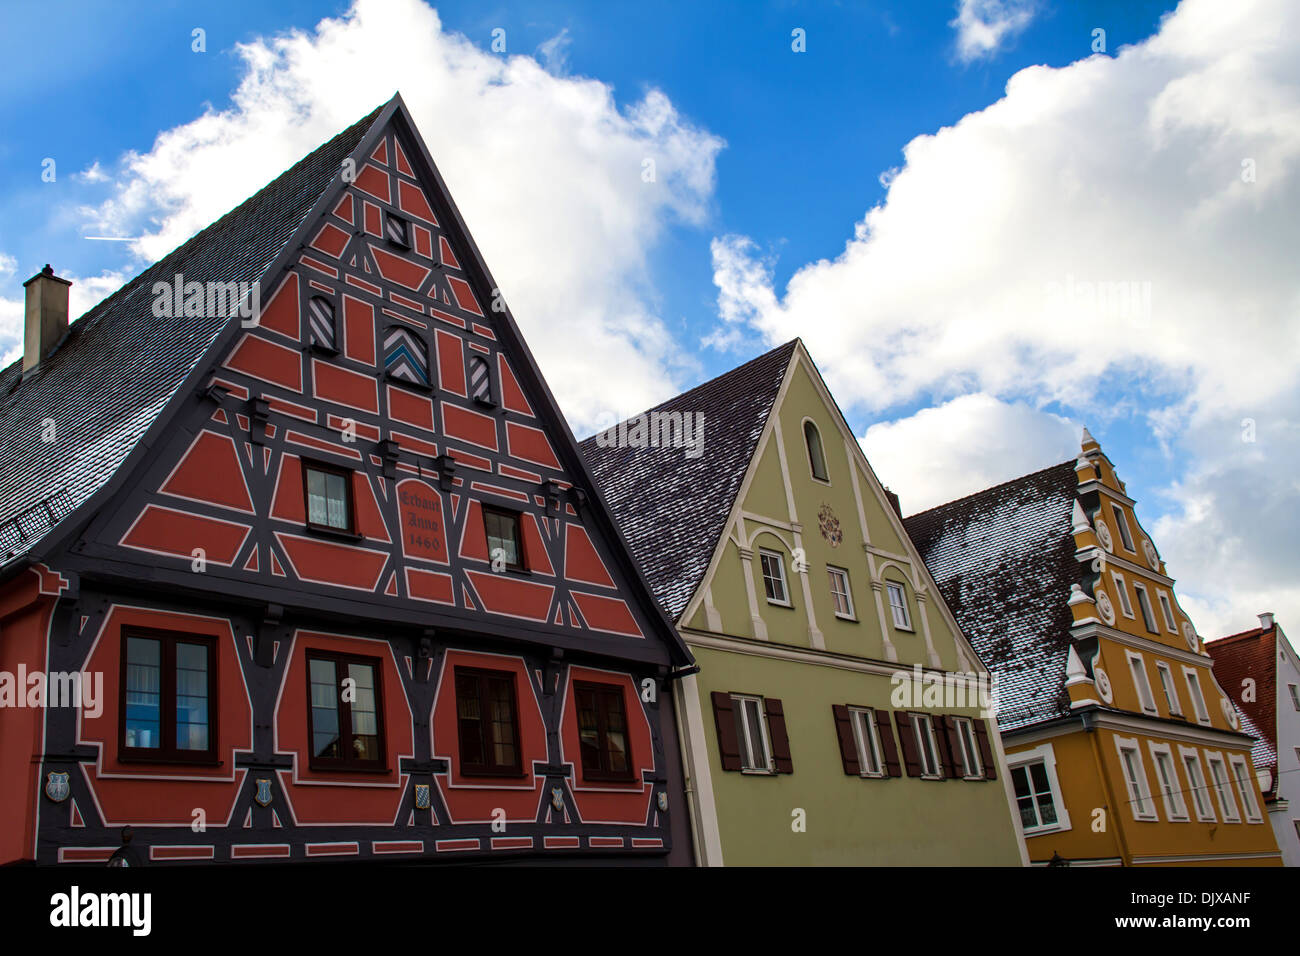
[776, 731]
[986, 751]
[848, 742]
[888, 749]
[724, 716]
[907, 737]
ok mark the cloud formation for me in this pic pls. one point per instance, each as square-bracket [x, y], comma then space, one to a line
[985, 26]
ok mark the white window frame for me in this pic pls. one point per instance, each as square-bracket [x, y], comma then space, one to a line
[1144, 605]
[1197, 784]
[1167, 608]
[1193, 682]
[1137, 669]
[929, 756]
[971, 763]
[1295, 695]
[784, 601]
[1222, 789]
[1171, 791]
[1140, 800]
[833, 572]
[1121, 521]
[1170, 686]
[866, 735]
[1121, 592]
[1045, 755]
[746, 738]
[1240, 771]
[892, 588]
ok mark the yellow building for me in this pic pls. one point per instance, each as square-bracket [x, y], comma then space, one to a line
[1123, 748]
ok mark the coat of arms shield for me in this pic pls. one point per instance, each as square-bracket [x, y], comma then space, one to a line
[57, 787]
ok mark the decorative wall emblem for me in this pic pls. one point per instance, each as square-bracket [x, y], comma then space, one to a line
[422, 796]
[263, 794]
[1102, 680]
[1103, 535]
[56, 785]
[557, 798]
[1189, 634]
[663, 801]
[1229, 712]
[1105, 608]
[830, 526]
[1149, 550]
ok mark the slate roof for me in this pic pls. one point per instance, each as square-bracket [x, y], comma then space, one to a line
[119, 365]
[1252, 654]
[672, 509]
[1003, 559]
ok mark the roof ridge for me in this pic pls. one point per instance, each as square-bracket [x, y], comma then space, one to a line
[1240, 635]
[713, 381]
[989, 489]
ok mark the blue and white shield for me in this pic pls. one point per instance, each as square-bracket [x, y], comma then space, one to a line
[557, 797]
[263, 795]
[56, 786]
[422, 796]
[663, 801]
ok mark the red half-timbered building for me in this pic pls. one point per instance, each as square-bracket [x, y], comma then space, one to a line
[339, 570]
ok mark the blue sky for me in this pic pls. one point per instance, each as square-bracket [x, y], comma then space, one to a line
[785, 204]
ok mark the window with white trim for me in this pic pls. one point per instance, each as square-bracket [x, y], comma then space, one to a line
[1038, 792]
[1295, 695]
[970, 754]
[926, 746]
[755, 748]
[867, 737]
[1222, 788]
[1167, 607]
[1121, 524]
[1135, 779]
[1144, 604]
[1171, 689]
[841, 597]
[1196, 784]
[1198, 699]
[774, 577]
[1137, 667]
[1121, 592]
[1171, 794]
[898, 605]
[1245, 787]
[816, 457]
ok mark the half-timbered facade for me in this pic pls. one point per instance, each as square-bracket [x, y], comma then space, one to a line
[324, 554]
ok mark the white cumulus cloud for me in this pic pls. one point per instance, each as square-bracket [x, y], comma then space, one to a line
[985, 26]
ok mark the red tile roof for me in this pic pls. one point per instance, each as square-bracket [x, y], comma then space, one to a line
[1252, 655]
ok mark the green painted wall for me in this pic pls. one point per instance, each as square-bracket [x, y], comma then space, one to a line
[850, 821]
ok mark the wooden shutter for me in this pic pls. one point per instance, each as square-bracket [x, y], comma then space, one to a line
[778, 736]
[724, 716]
[986, 751]
[848, 742]
[907, 737]
[888, 749]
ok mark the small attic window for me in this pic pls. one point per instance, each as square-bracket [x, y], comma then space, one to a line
[398, 231]
[480, 380]
[816, 458]
[322, 324]
[406, 357]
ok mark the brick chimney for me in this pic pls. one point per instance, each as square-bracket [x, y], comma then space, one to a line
[46, 316]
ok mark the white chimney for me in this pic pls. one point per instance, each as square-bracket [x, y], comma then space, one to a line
[1266, 620]
[46, 316]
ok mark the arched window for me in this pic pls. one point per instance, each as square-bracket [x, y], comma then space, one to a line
[406, 358]
[816, 460]
[320, 319]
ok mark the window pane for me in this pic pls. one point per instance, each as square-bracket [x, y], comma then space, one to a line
[503, 533]
[753, 721]
[324, 709]
[327, 499]
[615, 732]
[192, 696]
[143, 692]
[588, 730]
[469, 719]
[501, 708]
[365, 720]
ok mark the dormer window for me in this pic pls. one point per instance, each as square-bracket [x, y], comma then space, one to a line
[816, 458]
[398, 231]
[322, 325]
